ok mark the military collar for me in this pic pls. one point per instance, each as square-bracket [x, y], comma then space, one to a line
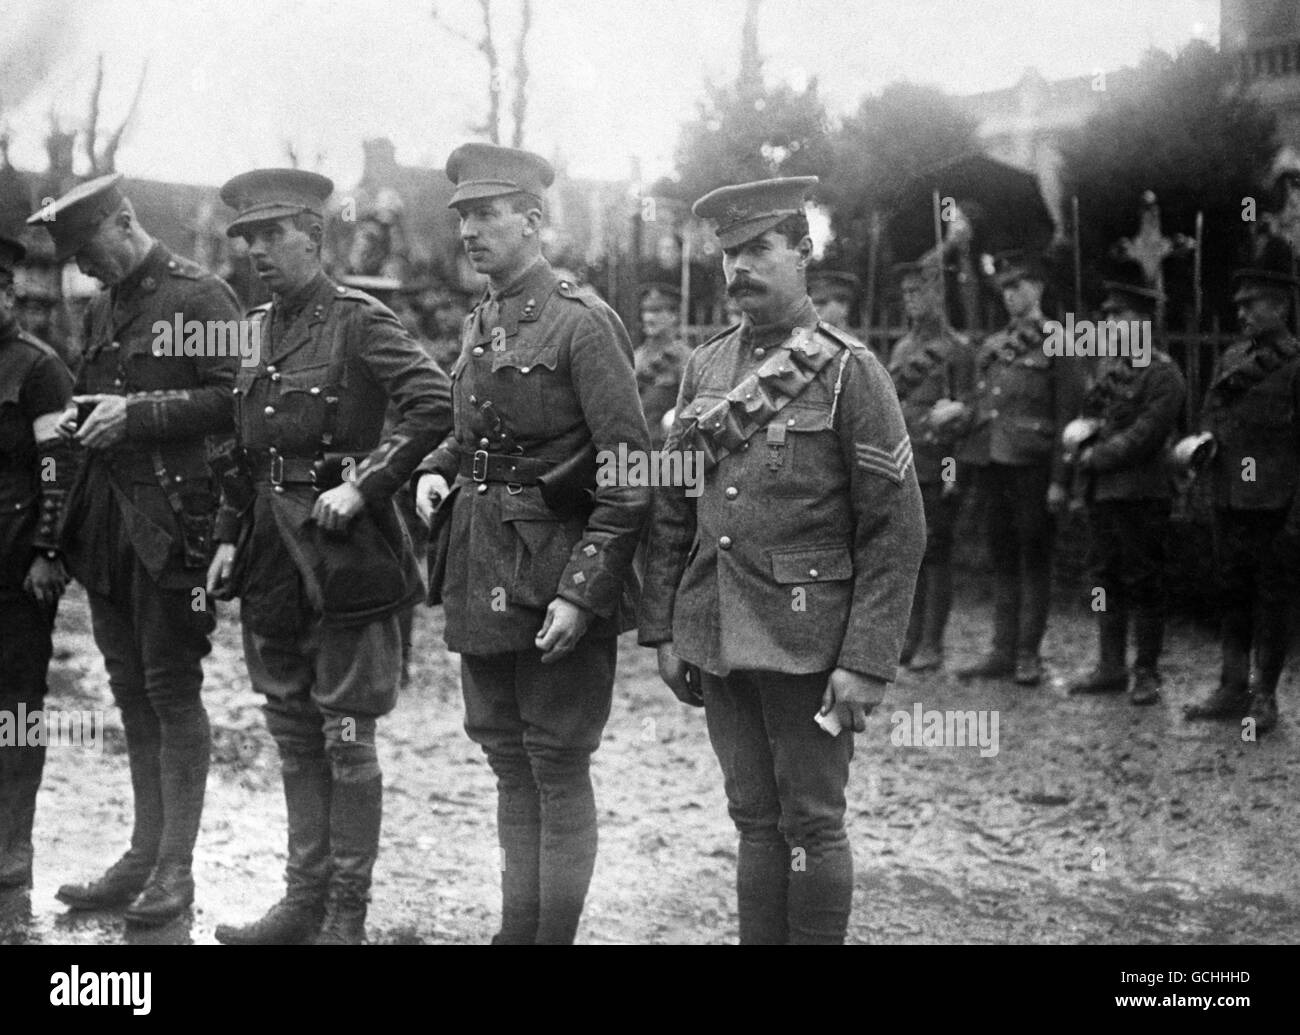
[521, 301]
[145, 277]
[804, 314]
[291, 304]
[538, 271]
[311, 304]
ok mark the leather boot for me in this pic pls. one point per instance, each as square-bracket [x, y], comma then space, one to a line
[1111, 673]
[184, 775]
[519, 828]
[915, 623]
[1000, 662]
[1272, 637]
[1149, 631]
[297, 917]
[1036, 601]
[126, 878]
[568, 846]
[20, 779]
[119, 885]
[1231, 697]
[356, 812]
[762, 889]
[937, 600]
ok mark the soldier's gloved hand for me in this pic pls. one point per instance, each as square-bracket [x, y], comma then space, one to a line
[106, 425]
[223, 563]
[335, 509]
[46, 580]
[561, 630]
[430, 490]
[1057, 497]
[852, 695]
[682, 679]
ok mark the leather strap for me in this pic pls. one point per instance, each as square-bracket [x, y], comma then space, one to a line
[482, 466]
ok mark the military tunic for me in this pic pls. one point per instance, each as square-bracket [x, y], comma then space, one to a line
[926, 368]
[310, 414]
[821, 506]
[545, 371]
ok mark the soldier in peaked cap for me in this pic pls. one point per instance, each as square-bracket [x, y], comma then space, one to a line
[1023, 400]
[538, 585]
[778, 598]
[933, 369]
[1132, 412]
[313, 545]
[138, 524]
[1252, 410]
[661, 356]
[35, 388]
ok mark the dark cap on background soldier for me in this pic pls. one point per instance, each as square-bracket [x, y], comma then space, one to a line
[137, 532]
[833, 293]
[779, 588]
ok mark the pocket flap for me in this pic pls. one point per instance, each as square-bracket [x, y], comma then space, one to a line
[812, 564]
[804, 418]
[523, 357]
[526, 505]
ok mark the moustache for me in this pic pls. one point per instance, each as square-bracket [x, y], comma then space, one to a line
[744, 284]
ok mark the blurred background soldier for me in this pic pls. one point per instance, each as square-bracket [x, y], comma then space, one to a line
[138, 531]
[536, 586]
[36, 301]
[1252, 412]
[1129, 415]
[661, 356]
[36, 467]
[311, 542]
[833, 295]
[1023, 400]
[933, 368]
[777, 599]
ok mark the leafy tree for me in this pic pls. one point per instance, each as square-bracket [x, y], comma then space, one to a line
[1186, 129]
[903, 130]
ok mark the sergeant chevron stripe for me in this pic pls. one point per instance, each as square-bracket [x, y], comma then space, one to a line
[886, 463]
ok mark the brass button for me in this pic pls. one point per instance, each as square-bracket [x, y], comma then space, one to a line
[993, 413]
[277, 488]
[524, 370]
[478, 350]
[997, 391]
[271, 369]
[724, 543]
[116, 345]
[313, 390]
[812, 573]
[745, 446]
[790, 423]
[732, 492]
[483, 443]
[760, 352]
[473, 399]
[275, 377]
[482, 488]
[269, 411]
[118, 383]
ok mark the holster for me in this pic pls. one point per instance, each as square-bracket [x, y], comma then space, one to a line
[568, 488]
[440, 545]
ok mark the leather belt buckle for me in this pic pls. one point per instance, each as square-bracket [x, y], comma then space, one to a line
[479, 468]
[277, 469]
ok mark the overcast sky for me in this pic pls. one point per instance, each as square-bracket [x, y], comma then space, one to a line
[230, 80]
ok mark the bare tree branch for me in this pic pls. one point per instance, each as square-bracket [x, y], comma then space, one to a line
[451, 30]
[109, 160]
[290, 153]
[520, 107]
[489, 48]
[92, 117]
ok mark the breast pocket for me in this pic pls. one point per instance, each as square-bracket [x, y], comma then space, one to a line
[795, 453]
[526, 384]
[298, 408]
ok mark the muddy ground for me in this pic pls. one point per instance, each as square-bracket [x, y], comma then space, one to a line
[1095, 821]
